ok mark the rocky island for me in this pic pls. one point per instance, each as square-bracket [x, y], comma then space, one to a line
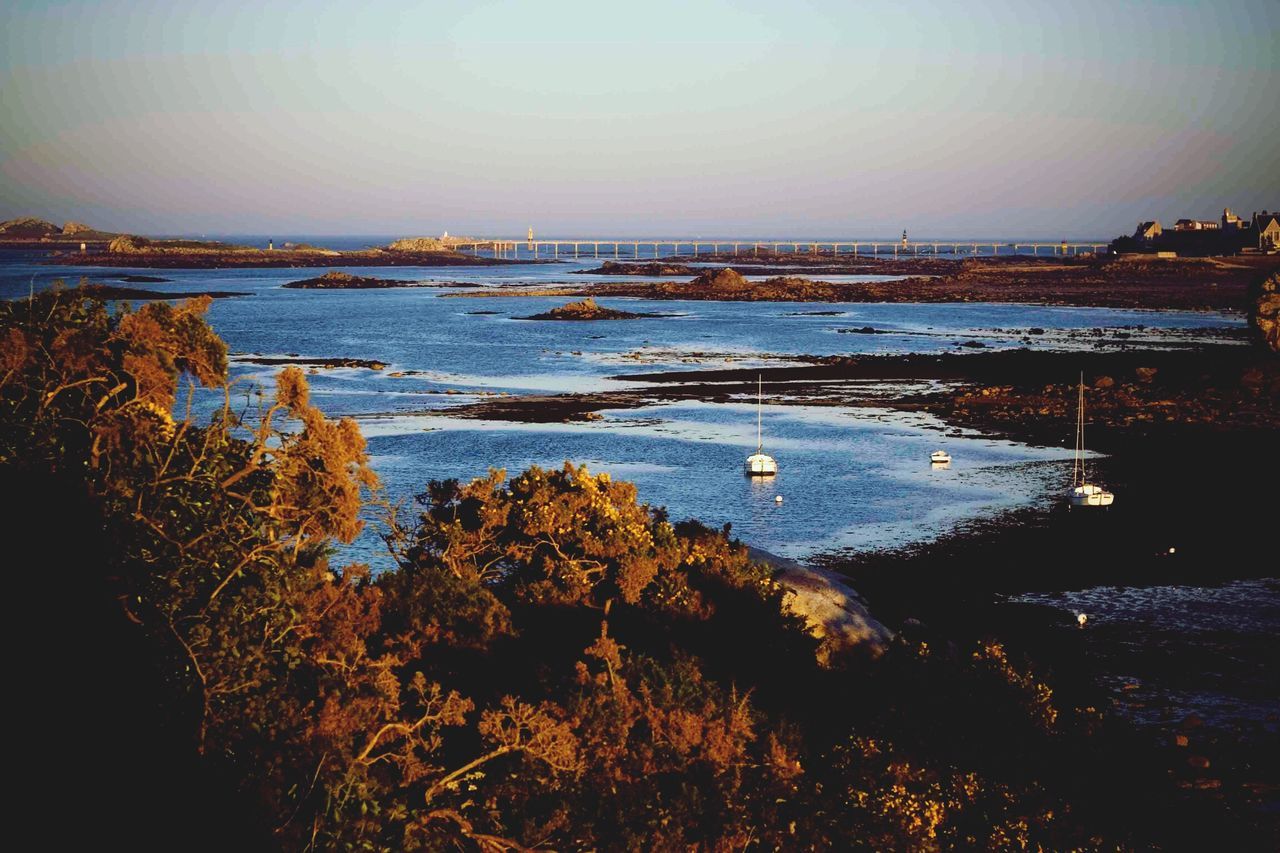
[649, 268]
[28, 232]
[587, 310]
[338, 280]
[76, 244]
[113, 292]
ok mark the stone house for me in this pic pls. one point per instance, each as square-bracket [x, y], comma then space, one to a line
[1267, 227]
[1147, 232]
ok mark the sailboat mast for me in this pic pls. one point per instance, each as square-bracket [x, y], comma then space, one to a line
[759, 403]
[1078, 468]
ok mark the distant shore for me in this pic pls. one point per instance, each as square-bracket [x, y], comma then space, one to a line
[269, 259]
[1180, 283]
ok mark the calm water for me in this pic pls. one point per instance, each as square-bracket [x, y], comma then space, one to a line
[1172, 650]
[849, 477]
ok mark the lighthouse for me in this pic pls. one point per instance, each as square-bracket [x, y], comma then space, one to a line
[530, 238]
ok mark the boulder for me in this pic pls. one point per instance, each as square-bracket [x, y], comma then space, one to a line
[832, 610]
[70, 229]
[1145, 374]
[1104, 382]
[126, 243]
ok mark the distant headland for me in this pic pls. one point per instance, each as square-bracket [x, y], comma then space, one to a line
[76, 244]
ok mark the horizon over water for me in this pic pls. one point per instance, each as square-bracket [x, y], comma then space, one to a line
[353, 241]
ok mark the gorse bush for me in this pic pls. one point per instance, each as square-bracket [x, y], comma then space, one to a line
[549, 663]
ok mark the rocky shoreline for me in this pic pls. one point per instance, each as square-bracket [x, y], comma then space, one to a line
[1109, 282]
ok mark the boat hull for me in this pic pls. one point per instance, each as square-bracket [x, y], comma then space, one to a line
[760, 465]
[1090, 495]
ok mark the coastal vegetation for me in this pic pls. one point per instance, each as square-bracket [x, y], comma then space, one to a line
[77, 244]
[29, 229]
[545, 661]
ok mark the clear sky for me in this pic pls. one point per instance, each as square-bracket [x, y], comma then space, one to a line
[667, 117]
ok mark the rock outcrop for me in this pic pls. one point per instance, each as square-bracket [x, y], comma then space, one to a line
[420, 244]
[28, 228]
[723, 281]
[586, 309]
[1264, 314]
[127, 244]
[71, 229]
[652, 268]
[338, 280]
[832, 610]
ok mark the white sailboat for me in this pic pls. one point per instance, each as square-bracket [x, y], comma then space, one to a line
[940, 457]
[760, 464]
[1084, 493]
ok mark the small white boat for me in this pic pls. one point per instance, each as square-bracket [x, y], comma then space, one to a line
[1084, 493]
[940, 457]
[760, 464]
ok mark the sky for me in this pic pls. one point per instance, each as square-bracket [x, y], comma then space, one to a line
[691, 118]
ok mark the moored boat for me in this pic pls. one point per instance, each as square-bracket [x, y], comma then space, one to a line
[1084, 493]
[760, 464]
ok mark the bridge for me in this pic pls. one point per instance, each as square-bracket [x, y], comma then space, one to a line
[636, 249]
